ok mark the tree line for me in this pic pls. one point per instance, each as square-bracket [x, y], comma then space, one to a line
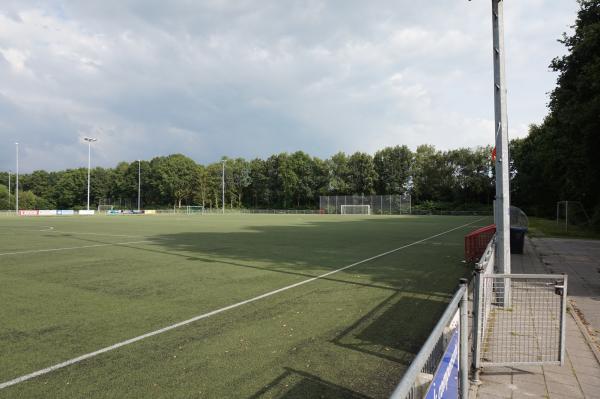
[460, 178]
[559, 159]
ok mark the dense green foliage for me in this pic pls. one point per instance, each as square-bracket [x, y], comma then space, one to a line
[284, 180]
[558, 160]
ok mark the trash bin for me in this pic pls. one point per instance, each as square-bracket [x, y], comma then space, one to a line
[517, 239]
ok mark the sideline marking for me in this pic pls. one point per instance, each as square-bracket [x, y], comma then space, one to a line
[33, 251]
[209, 314]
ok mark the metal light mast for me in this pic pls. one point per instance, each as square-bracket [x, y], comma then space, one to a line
[502, 211]
[139, 183]
[223, 185]
[89, 140]
[17, 183]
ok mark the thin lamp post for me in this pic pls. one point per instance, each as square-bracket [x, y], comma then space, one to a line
[223, 185]
[89, 140]
[9, 188]
[139, 183]
[17, 182]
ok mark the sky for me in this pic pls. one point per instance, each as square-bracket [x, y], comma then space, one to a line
[250, 78]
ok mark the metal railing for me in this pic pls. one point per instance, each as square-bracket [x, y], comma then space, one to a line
[447, 345]
[528, 329]
[518, 319]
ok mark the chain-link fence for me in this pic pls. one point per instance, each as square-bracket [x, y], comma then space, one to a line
[378, 204]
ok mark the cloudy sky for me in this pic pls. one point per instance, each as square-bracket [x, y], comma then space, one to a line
[249, 78]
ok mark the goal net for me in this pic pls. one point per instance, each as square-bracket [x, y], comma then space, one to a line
[194, 209]
[105, 207]
[571, 214]
[356, 209]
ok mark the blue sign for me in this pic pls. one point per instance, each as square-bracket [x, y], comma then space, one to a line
[445, 380]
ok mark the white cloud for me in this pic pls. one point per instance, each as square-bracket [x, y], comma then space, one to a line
[241, 78]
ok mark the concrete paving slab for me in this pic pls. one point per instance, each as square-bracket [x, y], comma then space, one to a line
[580, 375]
[580, 259]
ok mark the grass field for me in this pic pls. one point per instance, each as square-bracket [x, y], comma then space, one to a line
[73, 285]
[539, 227]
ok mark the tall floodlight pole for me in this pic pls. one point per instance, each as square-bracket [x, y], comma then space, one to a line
[89, 140]
[17, 182]
[139, 183]
[223, 185]
[9, 172]
[502, 214]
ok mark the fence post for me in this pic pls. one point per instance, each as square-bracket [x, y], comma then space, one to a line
[476, 322]
[464, 341]
[562, 320]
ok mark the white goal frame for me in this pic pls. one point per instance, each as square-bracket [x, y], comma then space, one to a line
[573, 207]
[344, 209]
[194, 209]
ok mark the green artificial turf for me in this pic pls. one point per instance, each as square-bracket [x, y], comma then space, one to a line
[350, 334]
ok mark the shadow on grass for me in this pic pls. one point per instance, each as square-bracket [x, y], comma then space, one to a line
[421, 280]
[396, 328]
[311, 249]
[295, 384]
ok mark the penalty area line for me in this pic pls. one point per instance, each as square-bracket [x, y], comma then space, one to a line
[214, 312]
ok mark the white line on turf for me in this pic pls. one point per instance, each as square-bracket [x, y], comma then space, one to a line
[33, 251]
[94, 234]
[209, 314]
[51, 229]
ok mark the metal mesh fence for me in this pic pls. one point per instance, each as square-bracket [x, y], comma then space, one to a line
[446, 345]
[522, 319]
[379, 204]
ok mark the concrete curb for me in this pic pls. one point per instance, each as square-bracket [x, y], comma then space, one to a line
[588, 338]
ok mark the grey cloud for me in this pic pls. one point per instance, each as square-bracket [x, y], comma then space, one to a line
[247, 78]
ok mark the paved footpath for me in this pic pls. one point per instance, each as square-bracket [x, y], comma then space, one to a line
[580, 259]
[580, 376]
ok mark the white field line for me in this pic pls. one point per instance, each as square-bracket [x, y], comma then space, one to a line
[51, 229]
[33, 251]
[209, 314]
[95, 234]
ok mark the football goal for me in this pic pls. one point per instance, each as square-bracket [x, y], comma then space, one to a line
[194, 209]
[105, 207]
[356, 209]
[571, 214]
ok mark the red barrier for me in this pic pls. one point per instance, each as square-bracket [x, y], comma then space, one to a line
[477, 241]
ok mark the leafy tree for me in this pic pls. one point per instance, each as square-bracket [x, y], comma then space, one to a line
[471, 175]
[557, 160]
[71, 189]
[338, 174]
[392, 165]
[177, 177]
[258, 192]
[425, 176]
[6, 201]
[361, 174]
